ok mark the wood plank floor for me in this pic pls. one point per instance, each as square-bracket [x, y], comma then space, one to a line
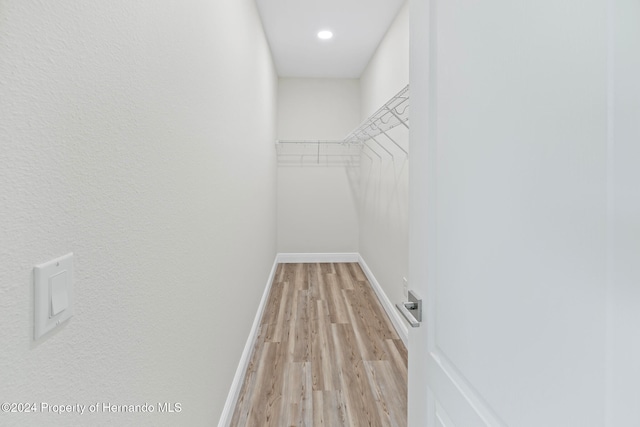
[326, 354]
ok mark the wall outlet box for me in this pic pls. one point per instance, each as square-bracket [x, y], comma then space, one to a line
[53, 286]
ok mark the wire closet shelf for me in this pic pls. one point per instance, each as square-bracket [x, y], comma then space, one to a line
[376, 127]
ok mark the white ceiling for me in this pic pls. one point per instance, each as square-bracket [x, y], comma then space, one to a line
[358, 26]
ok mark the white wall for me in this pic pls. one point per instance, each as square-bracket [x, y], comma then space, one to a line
[317, 205]
[312, 109]
[388, 69]
[138, 135]
[383, 215]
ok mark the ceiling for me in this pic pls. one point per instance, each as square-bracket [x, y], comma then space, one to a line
[358, 26]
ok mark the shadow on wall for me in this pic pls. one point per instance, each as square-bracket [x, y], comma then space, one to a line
[383, 179]
[383, 209]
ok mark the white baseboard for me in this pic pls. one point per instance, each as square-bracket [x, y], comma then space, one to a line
[398, 322]
[285, 258]
[238, 379]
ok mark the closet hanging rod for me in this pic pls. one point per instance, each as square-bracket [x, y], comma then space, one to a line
[394, 141]
[318, 152]
[312, 141]
[373, 151]
[373, 138]
[393, 113]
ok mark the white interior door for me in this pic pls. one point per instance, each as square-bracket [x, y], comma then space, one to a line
[509, 208]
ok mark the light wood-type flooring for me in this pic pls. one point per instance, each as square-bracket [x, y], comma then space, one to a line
[326, 354]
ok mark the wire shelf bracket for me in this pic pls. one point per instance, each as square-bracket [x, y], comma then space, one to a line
[393, 113]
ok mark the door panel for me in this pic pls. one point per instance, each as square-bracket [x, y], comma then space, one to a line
[455, 394]
[508, 206]
[442, 419]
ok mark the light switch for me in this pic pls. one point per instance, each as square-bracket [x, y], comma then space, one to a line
[58, 290]
[53, 291]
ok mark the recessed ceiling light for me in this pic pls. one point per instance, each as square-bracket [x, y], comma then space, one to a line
[325, 35]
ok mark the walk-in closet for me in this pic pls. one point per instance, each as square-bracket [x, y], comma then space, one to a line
[419, 213]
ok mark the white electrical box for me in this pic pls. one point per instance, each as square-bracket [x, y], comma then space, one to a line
[53, 286]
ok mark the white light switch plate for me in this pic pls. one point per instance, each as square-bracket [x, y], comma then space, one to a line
[53, 304]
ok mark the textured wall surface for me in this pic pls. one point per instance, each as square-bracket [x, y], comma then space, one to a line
[384, 204]
[317, 205]
[138, 135]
